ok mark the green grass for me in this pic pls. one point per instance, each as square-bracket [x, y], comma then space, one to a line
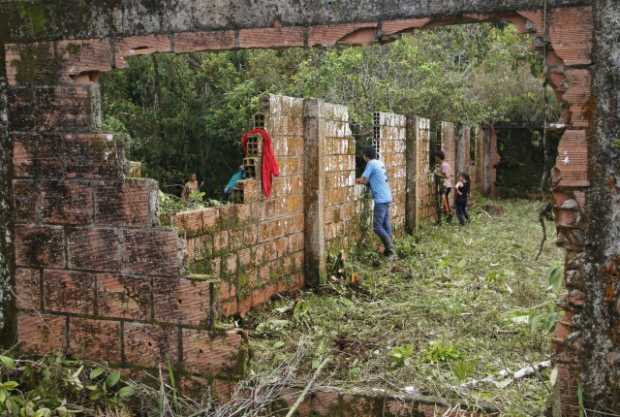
[460, 303]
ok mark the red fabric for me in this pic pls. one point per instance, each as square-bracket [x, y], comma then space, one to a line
[270, 167]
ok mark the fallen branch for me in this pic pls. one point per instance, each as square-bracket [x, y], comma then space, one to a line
[302, 397]
[505, 377]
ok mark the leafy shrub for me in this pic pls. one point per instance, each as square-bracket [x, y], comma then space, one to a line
[58, 387]
[401, 356]
[438, 351]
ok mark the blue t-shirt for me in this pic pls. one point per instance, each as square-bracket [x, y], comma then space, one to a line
[377, 179]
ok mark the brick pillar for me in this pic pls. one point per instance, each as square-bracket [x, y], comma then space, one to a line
[462, 150]
[410, 159]
[314, 193]
[425, 208]
[448, 144]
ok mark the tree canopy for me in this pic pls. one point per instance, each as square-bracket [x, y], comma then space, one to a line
[185, 113]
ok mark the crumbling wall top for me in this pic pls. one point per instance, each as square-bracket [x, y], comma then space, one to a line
[80, 19]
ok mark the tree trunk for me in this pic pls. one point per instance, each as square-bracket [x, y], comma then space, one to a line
[600, 378]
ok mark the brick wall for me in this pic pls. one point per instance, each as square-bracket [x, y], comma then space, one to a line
[251, 251]
[342, 196]
[392, 146]
[425, 203]
[449, 145]
[96, 276]
[80, 226]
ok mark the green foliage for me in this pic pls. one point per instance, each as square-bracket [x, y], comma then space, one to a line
[57, 387]
[464, 368]
[186, 113]
[401, 355]
[460, 297]
[440, 351]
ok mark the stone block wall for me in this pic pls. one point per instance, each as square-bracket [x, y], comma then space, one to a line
[392, 147]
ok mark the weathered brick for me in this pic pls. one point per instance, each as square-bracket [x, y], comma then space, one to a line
[39, 246]
[230, 266]
[204, 41]
[271, 37]
[572, 159]
[26, 200]
[41, 333]
[37, 155]
[127, 203]
[570, 34]
[124, 297]
[212, 354]
[149, 345]
[139, 45]
[83, 57]
[220, 241]
[95, 249]
[329, 35]
[210, 218]
[92, 156]
[52, 108]
[152, 252]
[182, 301]
[27, 289]
[95, 339]
[66, 202]
[31, 63]
[68, 292]
[190, 221]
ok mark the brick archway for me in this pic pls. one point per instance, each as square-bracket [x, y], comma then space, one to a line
[78, 220]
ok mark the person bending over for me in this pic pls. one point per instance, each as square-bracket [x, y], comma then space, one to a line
[376, 177]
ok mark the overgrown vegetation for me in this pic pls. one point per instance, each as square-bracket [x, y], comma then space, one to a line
[461, 304]
[186, 113]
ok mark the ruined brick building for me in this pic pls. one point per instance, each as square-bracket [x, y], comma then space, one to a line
[94, 273]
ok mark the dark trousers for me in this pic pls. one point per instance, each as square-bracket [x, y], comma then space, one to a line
[461, 211]
[382, 226]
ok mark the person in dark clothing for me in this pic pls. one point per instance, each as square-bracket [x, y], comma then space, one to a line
[462, 197]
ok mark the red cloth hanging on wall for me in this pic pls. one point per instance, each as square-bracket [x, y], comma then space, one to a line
[270, 167]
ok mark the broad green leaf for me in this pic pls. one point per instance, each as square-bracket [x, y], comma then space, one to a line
[7, 362]
[125, 392]
[95, 373]
[113, 379]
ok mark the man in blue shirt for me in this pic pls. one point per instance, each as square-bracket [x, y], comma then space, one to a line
[376, 177]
